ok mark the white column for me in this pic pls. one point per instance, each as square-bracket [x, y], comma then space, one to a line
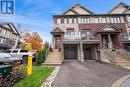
[110, 42]
[81, 51]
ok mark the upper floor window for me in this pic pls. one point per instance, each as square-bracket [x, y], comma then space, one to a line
[115, 20]
[10, 35]
[3, 31]
[1, 40]
[96, 20]
[75, 20]
[70, 20]
[104, 20]
[85, 20]
[58, 20]
[129, 18]
[70, 31]
[7, 33]
[65, 20]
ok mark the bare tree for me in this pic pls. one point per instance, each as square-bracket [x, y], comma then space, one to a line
[21, 30]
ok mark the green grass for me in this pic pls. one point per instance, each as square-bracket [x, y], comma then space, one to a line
[39, 74]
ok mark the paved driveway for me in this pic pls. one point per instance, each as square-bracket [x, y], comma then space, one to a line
[88, 74]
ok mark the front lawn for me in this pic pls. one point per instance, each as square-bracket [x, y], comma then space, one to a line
[39, 74]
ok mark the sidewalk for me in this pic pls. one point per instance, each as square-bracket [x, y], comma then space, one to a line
[126, 83]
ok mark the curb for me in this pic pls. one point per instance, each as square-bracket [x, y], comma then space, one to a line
[48, 82]
[120, 81]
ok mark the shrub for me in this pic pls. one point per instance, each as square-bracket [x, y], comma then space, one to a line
[44, 54]
[41, 57]
[18, 73]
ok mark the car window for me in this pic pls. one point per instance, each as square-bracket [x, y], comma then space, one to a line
[8, 51]
[15, 51]
[23, 51]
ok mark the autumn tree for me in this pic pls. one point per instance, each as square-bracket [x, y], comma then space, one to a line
[33, 39]
[36, 41]
[28, 46]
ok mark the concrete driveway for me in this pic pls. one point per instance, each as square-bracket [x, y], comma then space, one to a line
[88, 74]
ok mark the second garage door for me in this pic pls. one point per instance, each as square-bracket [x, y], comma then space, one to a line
[70, 52]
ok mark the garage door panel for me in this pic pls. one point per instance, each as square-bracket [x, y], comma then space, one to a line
[87, 53]
[70, 53]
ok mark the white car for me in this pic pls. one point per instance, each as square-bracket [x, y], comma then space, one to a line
[19, 53]
[7, 58]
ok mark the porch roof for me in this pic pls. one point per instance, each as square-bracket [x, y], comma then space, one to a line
[109, 28]
[57, 31]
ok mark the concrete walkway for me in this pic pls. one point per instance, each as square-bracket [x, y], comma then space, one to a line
[126, 83]
[88, 74]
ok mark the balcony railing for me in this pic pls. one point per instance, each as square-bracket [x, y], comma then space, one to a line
[72, 37]
[79, 37]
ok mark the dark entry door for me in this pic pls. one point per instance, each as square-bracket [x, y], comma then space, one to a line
[70, 52]
[87, 54]
[57, 42]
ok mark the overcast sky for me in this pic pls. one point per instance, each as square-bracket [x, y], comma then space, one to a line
[36, 15]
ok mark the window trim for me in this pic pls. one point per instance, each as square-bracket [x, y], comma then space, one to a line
[58, 21]
[69, 31]
[98, 21]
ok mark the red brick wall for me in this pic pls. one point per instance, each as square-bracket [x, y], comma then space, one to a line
[97, 26]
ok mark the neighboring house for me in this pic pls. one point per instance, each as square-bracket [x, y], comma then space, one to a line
[9, 36]
[81, 33]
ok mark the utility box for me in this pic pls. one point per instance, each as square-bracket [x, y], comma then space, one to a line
[5, 70]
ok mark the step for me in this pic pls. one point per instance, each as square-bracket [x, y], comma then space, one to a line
[124, 64]
[55, 50]
[52, 64]
[53, 59]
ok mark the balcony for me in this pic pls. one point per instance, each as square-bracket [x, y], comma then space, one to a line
[76, 38]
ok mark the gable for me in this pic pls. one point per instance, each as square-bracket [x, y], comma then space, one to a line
[118, 10]
[6, 26]
[57, 30]
[81, 10]
[78, 10]
[70, 12]
[127, 11]
[109, 28]
[13, 28]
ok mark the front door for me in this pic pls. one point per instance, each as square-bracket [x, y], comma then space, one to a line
[87, 53]
[57, 42]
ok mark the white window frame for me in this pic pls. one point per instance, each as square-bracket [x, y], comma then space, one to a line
[70, 31]
[118, 20]
[112, 20]
[75, 20]
[65, 20]
[1, 40]
[58, 20]
[88, 20]
[96, 19]
[70, 20]
[104, 20]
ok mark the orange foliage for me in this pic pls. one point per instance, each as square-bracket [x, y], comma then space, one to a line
[34, 39]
